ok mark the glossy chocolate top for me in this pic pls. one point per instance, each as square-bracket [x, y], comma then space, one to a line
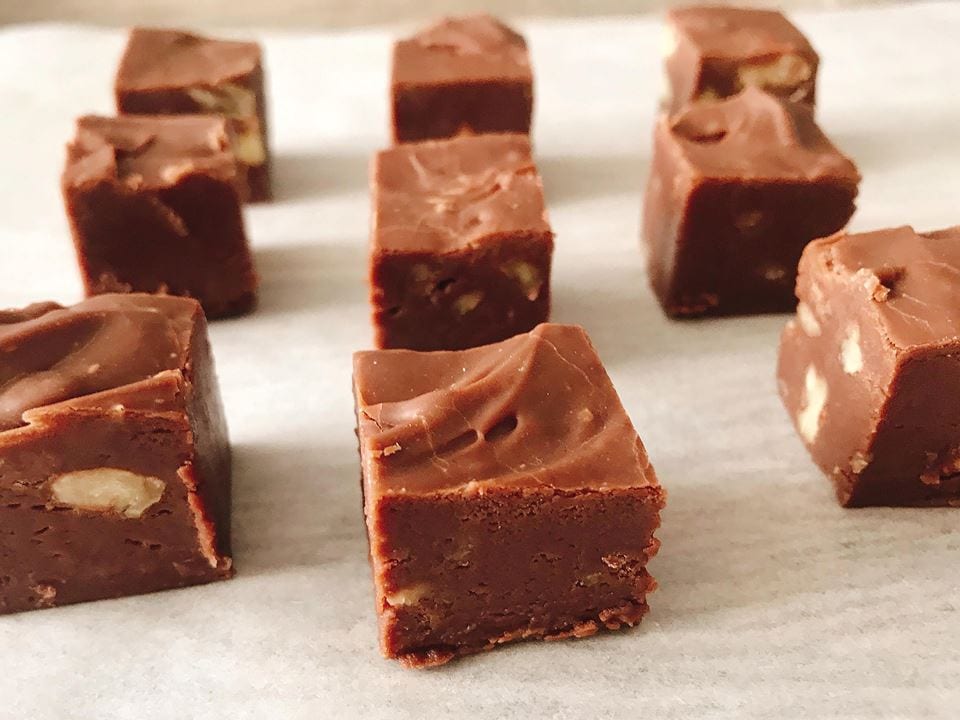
[445, 195]
[910, 280]
[535, 410]
[471, 48]
[50, 354]
[754, 135]
[152, 151]
[157, 59]
[738, 33]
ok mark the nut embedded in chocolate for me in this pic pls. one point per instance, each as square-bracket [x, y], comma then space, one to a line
[154, 207]
[463, 74]
[115, 457]
[715, 52]
[737, 188]
[460, 243]
[870, 369]
[506, 493]
[172, 72]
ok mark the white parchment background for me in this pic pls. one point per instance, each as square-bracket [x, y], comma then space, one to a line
[774, 602]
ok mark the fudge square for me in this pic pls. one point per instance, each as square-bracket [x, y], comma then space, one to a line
[715, 52]
[507, 495]
[173, 72]
[460, 243]
[737, 188]
[116, 463]
[154, 207]
[870, 368]
[461, 74]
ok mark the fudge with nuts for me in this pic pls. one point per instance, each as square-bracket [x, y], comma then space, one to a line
[507, 495]
[737, 188]
[716, 51]
[869, 369]
[116, 463]
[174, 72]
[460, 243]
[154, 207]
[463, 74]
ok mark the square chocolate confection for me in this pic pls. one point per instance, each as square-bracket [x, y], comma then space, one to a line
[154, 207]
[467, 74]
[507, 495]
[715, 52]
[461, 247]
[172, 72]
[870, 368]
[116, 463]
[737, 189]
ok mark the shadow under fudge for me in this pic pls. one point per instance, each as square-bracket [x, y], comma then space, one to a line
[307, 276]
[285, 517]
[301, 175]
[573, 177]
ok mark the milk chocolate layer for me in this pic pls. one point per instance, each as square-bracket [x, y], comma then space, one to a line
[463, 74]
[737, 188]
[715, 52]
[870, 368]
[461, 246]
[116, 461]
[506, 493]
[154, 207]
[173, 72]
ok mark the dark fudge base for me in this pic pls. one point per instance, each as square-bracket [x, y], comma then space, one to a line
[736, 248]
[429, 112]
[463, 299]
[462, 573]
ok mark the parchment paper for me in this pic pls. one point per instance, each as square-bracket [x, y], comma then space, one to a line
[774, 602]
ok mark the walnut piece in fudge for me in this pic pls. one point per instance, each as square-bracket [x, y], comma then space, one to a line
[737, 188]
[172, 72]
[507, 495]
[870, 368]
[115, 457]
[465, 74]
[461, 247]
[715, 52]
[154, 207]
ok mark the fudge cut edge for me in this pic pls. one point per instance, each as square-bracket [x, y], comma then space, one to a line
[120, 492]
[445, 521]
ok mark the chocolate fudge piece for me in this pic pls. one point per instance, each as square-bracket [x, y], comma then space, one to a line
[465, 74]
[870, 368]
[461, 246]
[737, 189]
[507, 495]
[116, 463]
[172, 72]
[715, 52]
[154, 207]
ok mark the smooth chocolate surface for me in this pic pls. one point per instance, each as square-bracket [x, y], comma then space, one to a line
[506, 493]
[461, 74]
[716, 51]
[154, 207]
[116, 460]
[870, 368]
[174, 72]
[737, 188]
[461, 247]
